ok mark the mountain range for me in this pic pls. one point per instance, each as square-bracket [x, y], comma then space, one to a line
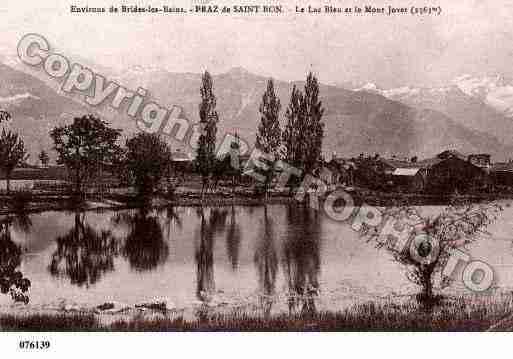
[35, 108]
[481, 104]
[368, 120]
[356, 121]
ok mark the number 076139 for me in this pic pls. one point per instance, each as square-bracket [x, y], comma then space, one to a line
[34, 345]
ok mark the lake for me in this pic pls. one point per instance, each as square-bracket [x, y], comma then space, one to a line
[238, 256]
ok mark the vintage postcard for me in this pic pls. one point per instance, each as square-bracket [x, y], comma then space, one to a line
[255, 166]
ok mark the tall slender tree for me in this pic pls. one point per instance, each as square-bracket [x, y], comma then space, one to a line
[314, 125]
[268, 139]
[304, 130]
[292, 135]
[205, 160]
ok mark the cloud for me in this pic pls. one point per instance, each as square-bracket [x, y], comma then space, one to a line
[469, 36]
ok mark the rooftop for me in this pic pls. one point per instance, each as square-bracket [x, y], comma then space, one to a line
[502, 167]
[405, 171]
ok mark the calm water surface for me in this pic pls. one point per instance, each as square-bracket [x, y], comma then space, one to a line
[225, 255]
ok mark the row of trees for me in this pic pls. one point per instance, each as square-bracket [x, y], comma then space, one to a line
[88, 146]
[299, 144]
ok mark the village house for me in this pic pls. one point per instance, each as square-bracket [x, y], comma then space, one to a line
[452, 154]
[409, 179]
[448, 172]
[482, 160]
[182, 162]
[408, 175]
[457, 173]
[372, 172]
[502, 174]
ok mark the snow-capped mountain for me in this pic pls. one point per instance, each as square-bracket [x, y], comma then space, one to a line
[494, 91]
[369, 87]
[484, 104]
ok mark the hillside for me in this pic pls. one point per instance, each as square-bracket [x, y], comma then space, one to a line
[35, 108]
[455, 101]
[356, 122]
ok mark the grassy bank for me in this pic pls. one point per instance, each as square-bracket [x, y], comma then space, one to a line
[453, 314]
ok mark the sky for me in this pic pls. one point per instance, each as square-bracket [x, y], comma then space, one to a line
[469, 37]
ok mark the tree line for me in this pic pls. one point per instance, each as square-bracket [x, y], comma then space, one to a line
[89, 145]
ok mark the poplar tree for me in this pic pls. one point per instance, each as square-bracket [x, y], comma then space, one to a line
[292, 136]
[268, 139]
[314, 126]
[304, 130]
[205, 160]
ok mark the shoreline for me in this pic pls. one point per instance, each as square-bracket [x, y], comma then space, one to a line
[45, 202]
[113, 203]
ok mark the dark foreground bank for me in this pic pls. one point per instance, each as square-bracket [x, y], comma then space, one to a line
[451, 314]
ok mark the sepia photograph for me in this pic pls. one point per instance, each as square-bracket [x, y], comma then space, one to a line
[201, 166]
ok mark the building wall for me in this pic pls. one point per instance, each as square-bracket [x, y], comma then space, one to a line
[415, 183]
[502, 178]
[456, 175]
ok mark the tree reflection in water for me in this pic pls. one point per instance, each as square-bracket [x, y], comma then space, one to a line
[84, 254]
[172, 216]
[301, 254]
[266, 262]
[233, 237]
[144, 246]
[11, 278]
[205, 284]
